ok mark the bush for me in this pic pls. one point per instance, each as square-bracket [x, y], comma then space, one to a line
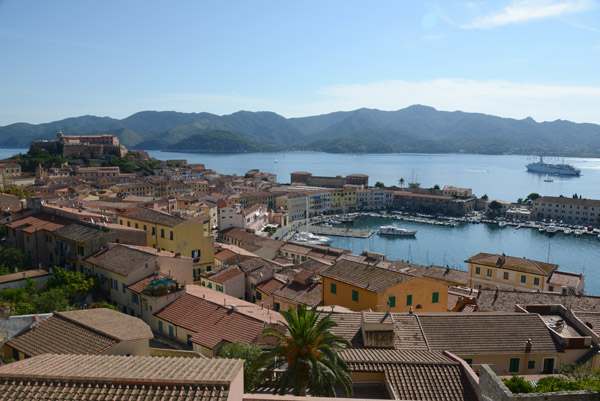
[517, 385]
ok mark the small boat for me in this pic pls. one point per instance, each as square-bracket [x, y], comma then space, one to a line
[276, 161]
[502, 224]
[311, 239]
[578, 233]
[548, 179]
[551, 230]
[393, 230]
[541, 229]
[567, 231]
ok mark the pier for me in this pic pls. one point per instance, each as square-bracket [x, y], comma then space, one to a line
[341, 231]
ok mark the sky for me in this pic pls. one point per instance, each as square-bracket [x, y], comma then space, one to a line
[515, 58]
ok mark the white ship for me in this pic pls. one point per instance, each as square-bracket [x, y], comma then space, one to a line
[311, 239]
[548, 168]
[393, 230]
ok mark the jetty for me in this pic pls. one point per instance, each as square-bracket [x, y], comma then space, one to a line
[341, 231]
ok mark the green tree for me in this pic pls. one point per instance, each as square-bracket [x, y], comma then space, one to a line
[495, 206]
[520, 201]
[401, 182]
[71, 282]
[414, 185]
[309, 353]
[379, 184]
[517, 385]
[12, 257]
[533, 196]
[484, 197]
[251, 354]
[103, 304]
[436, 186]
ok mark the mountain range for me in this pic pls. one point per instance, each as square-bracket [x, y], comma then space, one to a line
[415, 129]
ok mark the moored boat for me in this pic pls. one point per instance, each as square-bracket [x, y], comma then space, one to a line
[393, 230]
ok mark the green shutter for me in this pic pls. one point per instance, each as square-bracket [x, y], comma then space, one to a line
[160, 328]
[355, 295]
[514, 365]
[469, 361]
[392, 302]
[333, 288]
[409, 300]
[277, 306]
[531, 365]
[435, 298]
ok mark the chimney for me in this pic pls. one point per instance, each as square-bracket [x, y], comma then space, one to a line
[528, 345]
[24, 275]
[411, 311]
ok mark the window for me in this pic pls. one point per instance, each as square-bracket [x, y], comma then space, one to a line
[162, 233]
[531, 365]
[153, 230]
[469, 361]
[435, 298]
[196, 253]
[409, 300]
[171, 235]
[505, 275]
[171, 331]
[514, 365]
[128, 224]
[392, 302]
[123, 288]
[160, 328]
[252, 286]
[333, 288]
[135, 298]
[189, 342]
[121, 222]
[277, 306]
[477, 270]
[355, 295]
[489, 272]
[536, 281]
[79, 250]
[145, 228]
[523, 278]
[551, 288]
[209, 285]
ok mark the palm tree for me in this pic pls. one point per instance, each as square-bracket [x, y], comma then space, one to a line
[307, 352]
[401, 182]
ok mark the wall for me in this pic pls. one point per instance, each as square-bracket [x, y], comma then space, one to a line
[180, 269]
[133, 347]
[497, 279]
[343, 296]
[40, 281]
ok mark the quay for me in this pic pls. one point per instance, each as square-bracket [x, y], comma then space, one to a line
[341, 231]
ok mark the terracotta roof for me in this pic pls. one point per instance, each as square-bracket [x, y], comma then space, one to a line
[251, 239]
[212, 323]
[271, 285]
[364, 276]
[512, 263]
[487, 333]
[565, 279]
[40, 221]
[57, 335]
[122, 260]
[505, 301]
[78, 232]
[112, 323]
[226, 275]
[154, 216]
[302, 294]
[7, 278]
[104, 377]
[394, 355]
[441, 273]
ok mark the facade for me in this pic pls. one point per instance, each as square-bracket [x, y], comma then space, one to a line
[449, 190]
[490, 271]
[230, 281]
[188, 236]
[434, 203]
[584, 211]
[359, 286]
[304, 178]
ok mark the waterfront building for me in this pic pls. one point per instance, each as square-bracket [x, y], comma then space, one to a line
[449, 190]
[304, 178]
[584, 211]
[429, 203]
[359, 286]
[230, 281]
[521, 274]
[343, 200]
[251, 219]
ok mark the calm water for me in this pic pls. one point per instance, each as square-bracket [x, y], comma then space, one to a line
[436, 244]
[501, 177]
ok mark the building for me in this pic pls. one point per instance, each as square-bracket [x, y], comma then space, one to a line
[85, 332]
[431, 203]
[583, 211]
[205, 320]
[187, 236]
[230, 281]
[303, 289]
[264, 247]
[151, 294]
[359, 286]
[104, 377]
[449, 190]
[304, 178]
[520, 274]
[251, 219]
[20, 279]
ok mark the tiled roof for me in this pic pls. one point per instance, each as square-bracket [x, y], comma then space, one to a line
[226, 275]
[115, 324]
[505, 301]
[139, 286]
[116, 370]
[301, 294]
[364, 276]
[591, 319]
[271, 285]
[211, 323]
[442, 273]
[7, 278]
[414, 375]
[487, 333]
[512, 263]
[122, 260]
[78, 232]
[153, 216]
[39, 221]
[251, 239]
[565, 279]
[57, 335]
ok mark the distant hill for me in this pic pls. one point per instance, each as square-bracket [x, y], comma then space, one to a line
[413, 129]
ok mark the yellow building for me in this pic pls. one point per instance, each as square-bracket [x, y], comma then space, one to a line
[509, 273]
[343, 199]
[188, 236]
[359, 286]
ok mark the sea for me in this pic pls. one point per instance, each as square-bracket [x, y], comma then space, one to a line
[501, 177]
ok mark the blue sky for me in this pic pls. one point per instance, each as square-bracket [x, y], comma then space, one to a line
[538, 58]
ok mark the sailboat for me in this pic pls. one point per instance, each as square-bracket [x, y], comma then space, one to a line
[548, 179]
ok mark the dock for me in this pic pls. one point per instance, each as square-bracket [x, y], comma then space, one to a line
[341, 231]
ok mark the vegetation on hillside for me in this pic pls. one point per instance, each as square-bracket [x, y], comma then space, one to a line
[250, 353]
[35, 157]
[575, 377]
[218, 142]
